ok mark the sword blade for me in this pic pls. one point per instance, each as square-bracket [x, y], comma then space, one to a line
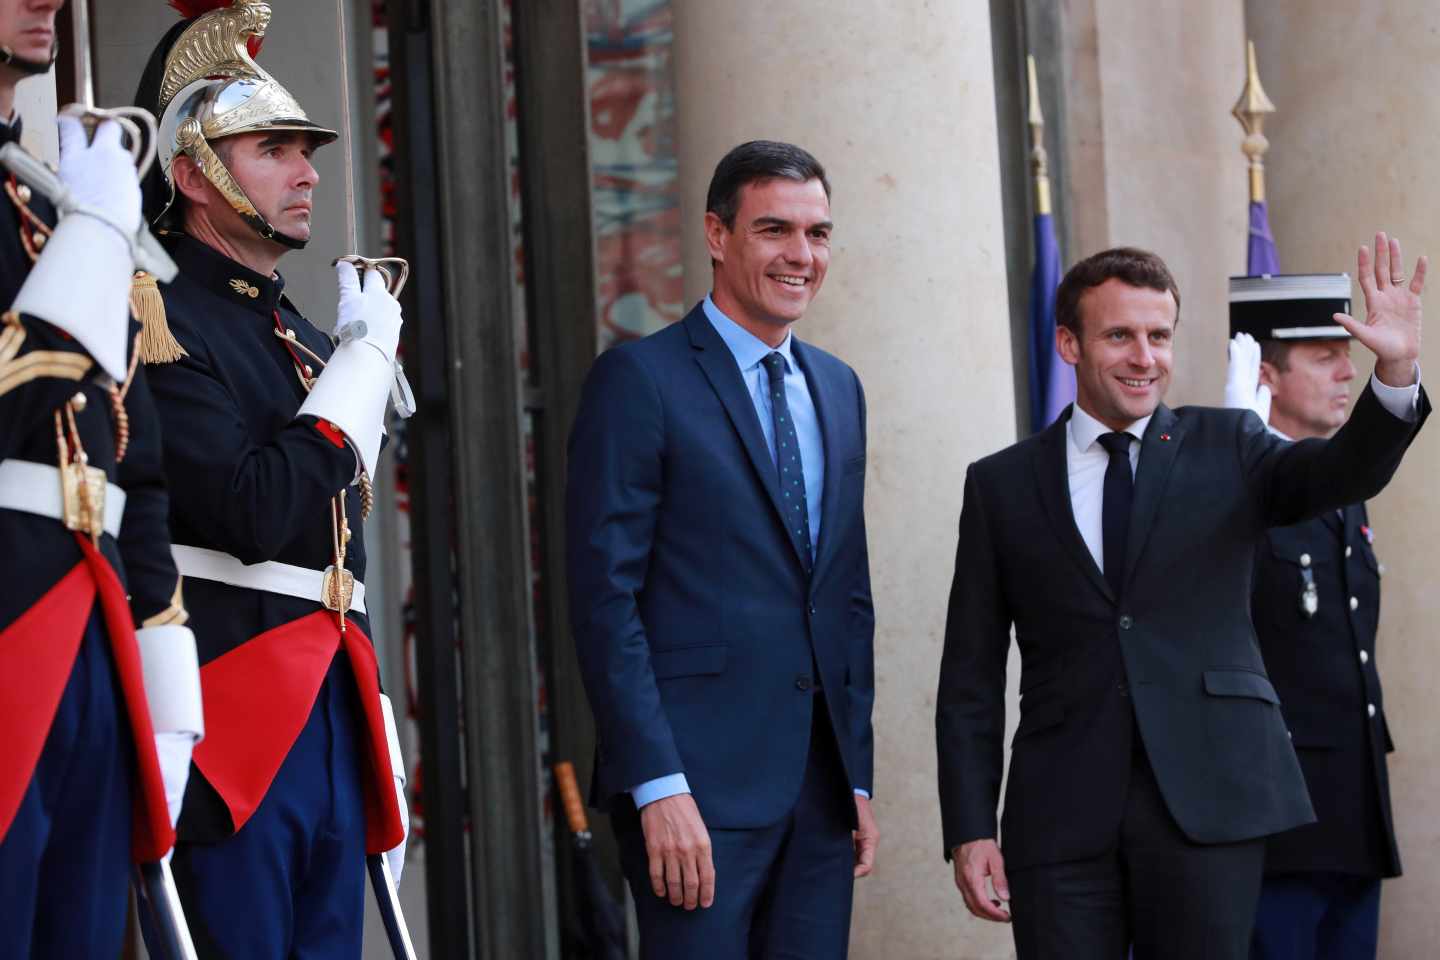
[388, 900]
[161, 900]
[84, 64]
[347, 131]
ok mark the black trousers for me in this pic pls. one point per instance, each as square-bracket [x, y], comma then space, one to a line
[1170, 898]
[782, 892]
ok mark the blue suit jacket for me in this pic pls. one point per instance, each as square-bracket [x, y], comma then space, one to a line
[697, 629]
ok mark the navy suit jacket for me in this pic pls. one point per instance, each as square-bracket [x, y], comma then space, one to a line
[697, 630]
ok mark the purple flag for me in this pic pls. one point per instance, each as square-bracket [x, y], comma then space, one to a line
[1261, 256]
[1052, 380]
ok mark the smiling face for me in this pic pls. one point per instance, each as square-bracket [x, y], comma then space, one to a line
[1310, 388]
[27, 28]
[1123, 351]
[769, 265]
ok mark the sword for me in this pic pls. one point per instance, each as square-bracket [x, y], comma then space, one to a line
[156, 894]
[395, 270]
[388, 901]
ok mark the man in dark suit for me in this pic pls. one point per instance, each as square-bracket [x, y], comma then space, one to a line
[1151, 755]
[720, 592]
[1316, 608]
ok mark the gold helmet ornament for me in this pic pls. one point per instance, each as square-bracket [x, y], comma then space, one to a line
[203, 83]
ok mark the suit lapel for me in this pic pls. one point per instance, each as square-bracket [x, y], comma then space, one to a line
[824, 398]
[718, 365]
[1052, 473]
[1158, 450]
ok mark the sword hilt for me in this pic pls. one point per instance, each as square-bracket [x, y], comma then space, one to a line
[137, 123]
[395, 281]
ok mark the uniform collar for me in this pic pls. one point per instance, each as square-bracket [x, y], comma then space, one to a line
[231, 281]
[11, 130]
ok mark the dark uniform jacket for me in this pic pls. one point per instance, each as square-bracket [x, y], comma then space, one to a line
[38, 373]
[1324, 668]
[250, 479]
[1172, 656]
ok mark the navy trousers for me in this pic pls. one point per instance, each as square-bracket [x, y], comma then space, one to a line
[65, 861]
[782, 892]
[290, 884]
[1317, 916]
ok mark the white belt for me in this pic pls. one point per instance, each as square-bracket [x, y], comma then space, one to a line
[270, 576]
[35, 488]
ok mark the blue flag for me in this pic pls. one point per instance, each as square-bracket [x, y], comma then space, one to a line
[1261, 257]
[1052, 380]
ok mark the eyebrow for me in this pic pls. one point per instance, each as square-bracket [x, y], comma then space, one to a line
[782, 222]
[278, 139]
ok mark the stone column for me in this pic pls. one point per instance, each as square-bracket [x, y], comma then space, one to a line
[899, 105]
[1353, 147]
[1155, 157]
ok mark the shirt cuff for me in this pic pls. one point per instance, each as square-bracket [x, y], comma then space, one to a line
[1401, 402]
[659, 788]
[862, 793]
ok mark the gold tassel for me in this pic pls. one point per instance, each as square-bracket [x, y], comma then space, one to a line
[157, 343]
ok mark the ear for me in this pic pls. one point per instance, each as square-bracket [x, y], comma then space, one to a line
[716, 233]
[1269, 377]
[189, 181]
[1067, 344]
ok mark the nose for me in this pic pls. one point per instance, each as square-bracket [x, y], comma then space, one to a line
[1347, 369]
[1141, 355]
[308, 176]
[798, 250]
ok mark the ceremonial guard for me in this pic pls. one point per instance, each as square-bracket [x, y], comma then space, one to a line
[1316, 608]
[272, 437]
[98, 673]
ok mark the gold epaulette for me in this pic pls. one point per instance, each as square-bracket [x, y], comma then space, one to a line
[157, 343]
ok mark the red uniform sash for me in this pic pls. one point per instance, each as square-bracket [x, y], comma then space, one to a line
[37, 655]
[258, 698]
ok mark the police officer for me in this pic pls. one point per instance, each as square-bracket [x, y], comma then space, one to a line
[1316, 607]
[99, 716]
[272, 435]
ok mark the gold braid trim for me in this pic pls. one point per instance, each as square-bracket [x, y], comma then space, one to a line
[157, 343]
[43, 363]
[173, 614]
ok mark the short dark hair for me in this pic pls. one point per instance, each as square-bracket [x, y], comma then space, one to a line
[753, 162]
[1276, 353]
[1130, 265]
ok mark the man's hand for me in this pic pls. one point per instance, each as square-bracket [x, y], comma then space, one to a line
[1243, 390]
[867, 837]
[974, 861]
[1392, 311]
[681, 868]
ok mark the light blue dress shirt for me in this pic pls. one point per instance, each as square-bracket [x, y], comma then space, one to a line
[749, 350]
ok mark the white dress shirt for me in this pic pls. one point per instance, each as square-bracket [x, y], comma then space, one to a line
[1086, 460]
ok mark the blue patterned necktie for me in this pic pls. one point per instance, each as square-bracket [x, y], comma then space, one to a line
[1115, 507]
[787, 459]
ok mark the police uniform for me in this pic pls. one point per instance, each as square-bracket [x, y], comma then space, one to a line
[82, 794]
[296, 781]
[1316, 610]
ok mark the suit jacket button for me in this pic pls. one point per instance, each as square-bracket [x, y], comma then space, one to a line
[802, 683]
[1125, 622]
[1349, 550]
[1370, 709]
[1354, 603]
[1364, 656]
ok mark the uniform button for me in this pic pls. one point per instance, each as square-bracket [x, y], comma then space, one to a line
[1364, 656]
[1354, 603]
[1125, 622]
[1124, 690]
[812, 609]
[802, 683]
[1348, 551]
[1304, 559]
[1370, 709]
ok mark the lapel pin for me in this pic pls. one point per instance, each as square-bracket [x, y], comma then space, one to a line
[1164, 436]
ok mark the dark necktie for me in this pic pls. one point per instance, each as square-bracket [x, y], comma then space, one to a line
[1115, 508]
[787, 459]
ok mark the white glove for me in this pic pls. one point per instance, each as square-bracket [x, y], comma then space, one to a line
[352, 390]
[171, 670]
[81, 283]
[1243, 390]
[100, 174]
[396, 856]
[174, 751]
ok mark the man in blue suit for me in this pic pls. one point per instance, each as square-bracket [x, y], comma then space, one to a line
[720, 592]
